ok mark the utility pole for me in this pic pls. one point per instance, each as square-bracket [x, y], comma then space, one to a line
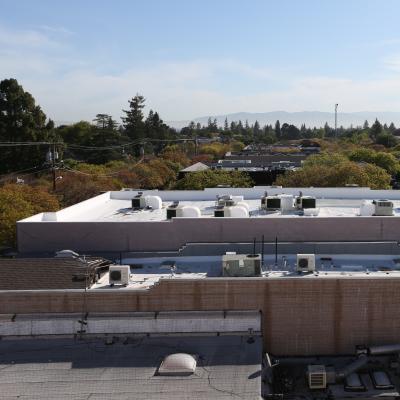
[51, 157]
[336, 106]
[53, 167]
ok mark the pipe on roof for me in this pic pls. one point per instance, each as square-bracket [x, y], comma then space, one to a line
[385, 349]
[361, 360]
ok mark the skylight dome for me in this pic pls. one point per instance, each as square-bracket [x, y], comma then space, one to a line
[178, 364]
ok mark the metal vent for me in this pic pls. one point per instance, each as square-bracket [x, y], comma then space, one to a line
[115, 275]
[316, 377]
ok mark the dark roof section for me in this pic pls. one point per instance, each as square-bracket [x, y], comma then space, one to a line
[228, 367]
[50, 273]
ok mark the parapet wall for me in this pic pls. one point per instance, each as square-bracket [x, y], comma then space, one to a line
[299, 316]
[90, 237]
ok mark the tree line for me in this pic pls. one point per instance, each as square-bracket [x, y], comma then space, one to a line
[270, 134]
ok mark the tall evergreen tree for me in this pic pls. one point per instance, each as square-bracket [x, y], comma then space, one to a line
[133, 120]
[226, 126]
[376, 129]
[278, 132]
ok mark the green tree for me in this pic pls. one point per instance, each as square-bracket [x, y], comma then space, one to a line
[278, 129]
[344, 173]
[213, 178]
[375, 129]
[18, 202]
[133, 121]
[386, 139]
[226, 126]
[21, 120]
[381, 159]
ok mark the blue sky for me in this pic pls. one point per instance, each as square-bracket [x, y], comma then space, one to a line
[196, 58]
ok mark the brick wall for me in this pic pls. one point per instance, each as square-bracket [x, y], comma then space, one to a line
[299, 316]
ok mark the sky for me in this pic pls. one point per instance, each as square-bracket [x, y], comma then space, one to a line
[197, 58]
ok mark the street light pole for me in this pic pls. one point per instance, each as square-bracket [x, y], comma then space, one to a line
[336, 106]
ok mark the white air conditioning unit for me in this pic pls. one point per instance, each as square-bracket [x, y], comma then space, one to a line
[316, 377]
[305, 263]
[383, 207]
[119, 274]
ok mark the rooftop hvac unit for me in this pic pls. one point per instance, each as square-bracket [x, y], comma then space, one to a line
[305, 263]
[383, 207]
[228, 200]
[271, 203]
[238, 211]
[175, 210]
[304, 202]
[172, 210]
[219, 211]
[241, 265]
[287, 202]
[139, 201]
[316, 377]
[119, 274]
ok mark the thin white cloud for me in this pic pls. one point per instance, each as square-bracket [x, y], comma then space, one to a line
[393, 62]
[69, 88]
[24, 38]
[82, 94]
[56, 29]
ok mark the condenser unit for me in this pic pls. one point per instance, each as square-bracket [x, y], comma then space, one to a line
[305, 263]
[172, 210]
[139, 201]
[383, 207]
[219, 211]
[304, 202]
[271, 203]
[241, 265]
[119, 274]
[316, 377]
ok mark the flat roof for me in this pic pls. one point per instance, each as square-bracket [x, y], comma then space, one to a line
[121, 211]
[61, 369]
[148, 271]
[116, 206]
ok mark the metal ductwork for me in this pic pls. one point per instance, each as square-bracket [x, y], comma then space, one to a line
[361, 360]
[385, 349]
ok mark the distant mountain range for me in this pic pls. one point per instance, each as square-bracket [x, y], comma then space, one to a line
[310, 118]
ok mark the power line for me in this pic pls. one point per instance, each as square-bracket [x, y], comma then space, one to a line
[99, 175]
[5, 178]
[110, 147]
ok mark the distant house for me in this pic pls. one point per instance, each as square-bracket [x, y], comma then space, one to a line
[199, 166]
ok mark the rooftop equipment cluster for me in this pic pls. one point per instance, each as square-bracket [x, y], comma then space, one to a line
[140, 202]
[320, 376]
[289, 203]
[176, 210]
[231, 206]
[376, 208]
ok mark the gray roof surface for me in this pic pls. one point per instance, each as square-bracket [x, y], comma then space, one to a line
[227, 367]
[48, 273]
[199, 166]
